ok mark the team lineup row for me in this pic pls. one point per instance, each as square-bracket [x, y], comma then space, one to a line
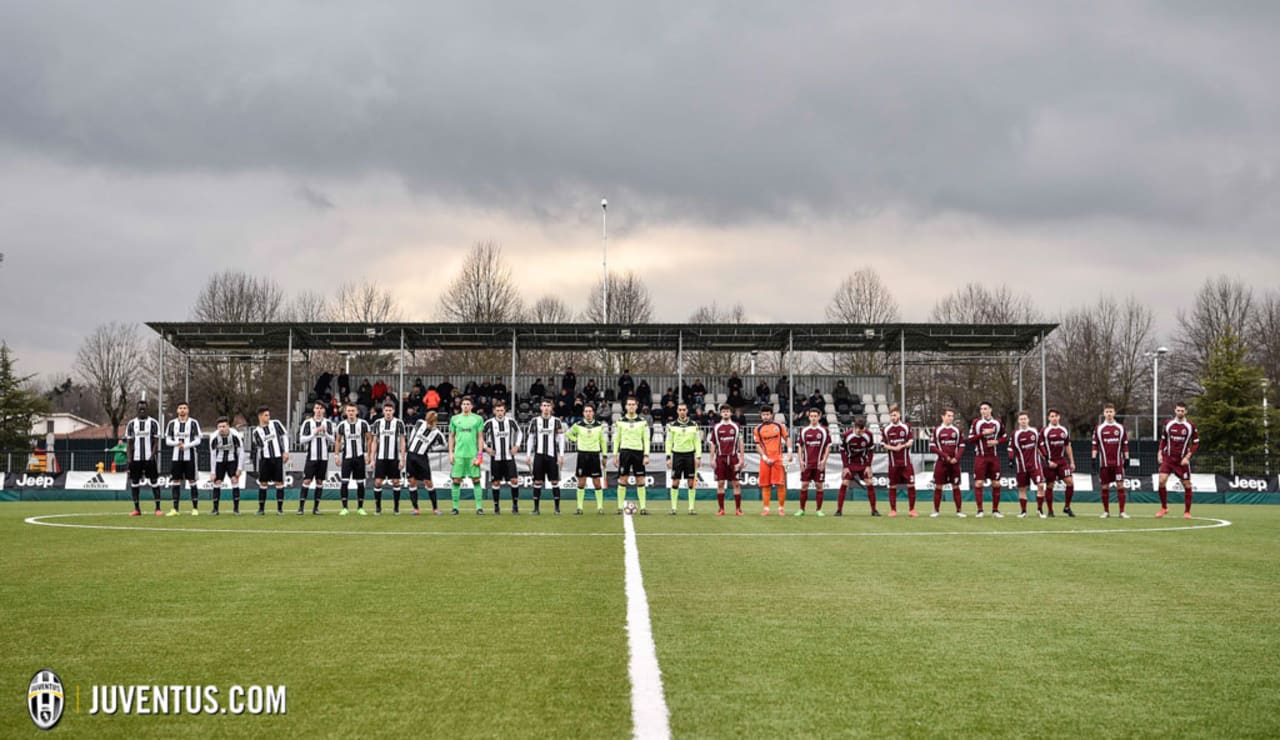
[1040, 458]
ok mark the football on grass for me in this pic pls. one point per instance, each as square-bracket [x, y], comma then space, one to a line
[630, 508]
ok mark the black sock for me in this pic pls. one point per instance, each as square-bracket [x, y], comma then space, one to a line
[235, 499]
[155, 493]
[497, 495]
[195, 495]
[280, 498]
[395, 498]
[315, 496]
[133, 491]
[343, 494]
[176, 490]
[262, 499]
[377, 497]
[360, 495]
[302, 497]
[537, 498]
[413, 497]
[217, 497]
[555, 493]
[515, 498]
[432, 493]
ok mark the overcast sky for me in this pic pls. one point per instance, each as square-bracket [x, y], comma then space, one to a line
[751, 152]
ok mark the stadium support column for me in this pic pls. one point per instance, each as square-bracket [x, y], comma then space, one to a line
[400, 403]
[288, 385]
[902, 372]
[791, 374]
[1021, 404]
[186, 379]
[1044, 398]
[511, 392]
[679, 367]
[160, 384]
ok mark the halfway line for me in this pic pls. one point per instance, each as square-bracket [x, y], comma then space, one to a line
[648, 703]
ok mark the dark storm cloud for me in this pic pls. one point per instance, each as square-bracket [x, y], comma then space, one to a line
[712, 112]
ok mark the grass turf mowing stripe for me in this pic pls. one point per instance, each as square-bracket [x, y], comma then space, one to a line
[648, 704]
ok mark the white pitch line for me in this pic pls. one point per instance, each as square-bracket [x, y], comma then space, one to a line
[41, 521]
[648, 703]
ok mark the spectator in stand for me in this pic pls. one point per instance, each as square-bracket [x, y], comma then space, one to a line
[735, 400]
[735, 384]
[379, 390]
[414, 401]
[344, 387]
[579, 403]
[564, 404]
[816, 401]
[445, 389]
[591, 391]
[626, 385]
[699, 392]
[644, 396]
[364, 395]
[537, 391]
[783, 389]
[335, 408]
[432, 399]
[324, 387]
[472, 389]
[486, 388]
[668, 412]
[411, 414]
[500, 393]
[762, 393]
[842, 397]
[481, 405]
[570, 381]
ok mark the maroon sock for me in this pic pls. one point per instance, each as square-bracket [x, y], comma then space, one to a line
[804, 498]
[911, 498]
[871, 496]
[995, 497]
[1106, 499]
[817, 497]
[1120, 497]
[1164, 497]
[844, 489]
[737, 499]
[1039, 500]
[977, 495]
[1066, 502]
[720, 499]
[893, 498]
[1023, 503]
[1048, 498]
[1186, 499]
[937, 498]
[955, 491]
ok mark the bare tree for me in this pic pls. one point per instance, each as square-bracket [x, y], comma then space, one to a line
[310, 306]
[365, 301]
[629, 303]
[862, 298]
[702, 362]
[547, 310]
[235, 296]
[1222, 306]
[110, 362]
[1266, 335]
[1096, 356]
[484, 291]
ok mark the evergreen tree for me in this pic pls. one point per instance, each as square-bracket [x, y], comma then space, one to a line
[18, 406]
[1229, 413]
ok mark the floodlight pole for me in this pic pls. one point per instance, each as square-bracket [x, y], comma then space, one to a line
[604, 268]
[1266, 432]
[679, 367]
[186, 380]
[401, 403]
[288, 386]
[511, 392]
[902, 373]
[791, 374]
[1020, 401]
[160, 388]
[1044, 397]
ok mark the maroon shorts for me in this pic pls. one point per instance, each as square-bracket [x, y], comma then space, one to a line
[1035, 476]
[1111, 474]
[1062, 472]
[813, 475]
[726, 468]
[1176, 469]
[854, 472]
[946, 473]
[986, 468]
[902, 475]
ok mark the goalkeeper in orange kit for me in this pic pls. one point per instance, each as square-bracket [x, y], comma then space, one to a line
[770, 436]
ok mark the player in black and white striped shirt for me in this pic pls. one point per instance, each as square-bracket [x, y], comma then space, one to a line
[351, 450]
[226, 460]
[502, 438]
[545, 445]
[142, 441]
[182, 434]
[271, 451]
[315, 434]
[424, 438]
[388, 432]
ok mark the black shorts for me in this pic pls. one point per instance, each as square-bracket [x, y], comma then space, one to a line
[142, 470]
[683, 466]
[184, 470]
[225, 471]
[270, 471]
[502, 470]
[418, 467]
[545, 467]
[353, 469]
[588, 465]
[315, 470]
[386, 469]
[630, 462]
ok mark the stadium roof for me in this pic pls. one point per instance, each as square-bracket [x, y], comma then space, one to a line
[357, 337]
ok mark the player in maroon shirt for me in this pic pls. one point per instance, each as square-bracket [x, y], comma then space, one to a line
[815, 446]
[985, 433]
[1179, 440]
[948, 444]
[896, 439]
[857, 447]
[1059, 461]
[1111, 450]
[727, 451]
[1024, 453]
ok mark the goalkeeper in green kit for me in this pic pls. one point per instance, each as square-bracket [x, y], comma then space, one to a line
[631, 453]
[589, 436]
[464, 453]
[684, 452]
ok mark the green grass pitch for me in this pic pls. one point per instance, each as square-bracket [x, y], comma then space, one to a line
[1153, 633]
